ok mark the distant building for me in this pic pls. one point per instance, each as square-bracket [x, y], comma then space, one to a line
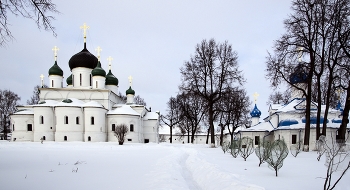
[88, 109]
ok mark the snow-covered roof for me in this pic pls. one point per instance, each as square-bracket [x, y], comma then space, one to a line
[24, 112]
[49, 103]
[276, 106]
[93, 104]
[151, 116]
[261, 126]
[123, 110]
[71, 102]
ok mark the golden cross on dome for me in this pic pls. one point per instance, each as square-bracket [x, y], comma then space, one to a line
[256, 95]
[110, 59]
[42, 80]
[55, 50]
[84, 27]
[98, 50]
[130, 80]
[300, 49]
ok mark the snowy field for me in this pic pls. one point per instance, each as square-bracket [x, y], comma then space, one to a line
[82, 165]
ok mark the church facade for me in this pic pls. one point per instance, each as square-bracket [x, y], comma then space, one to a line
[87, 109]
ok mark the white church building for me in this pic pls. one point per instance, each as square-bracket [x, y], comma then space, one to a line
[287, 121]
[87, 109]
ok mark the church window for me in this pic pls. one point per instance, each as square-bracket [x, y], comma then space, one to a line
[113, 127]
[90, 80]
[96, 84]
[65, 138]
[13, 127]
[65, 119]
[129, 139]
[146, 140]
[44, 138]
[77, 120]
[41, 119]
[92, 120]
[52, 83]
[80, 79]
[256, 140]
[29, 127]
[294, 139]
[73, 80]
[89, 138]
[131, 127]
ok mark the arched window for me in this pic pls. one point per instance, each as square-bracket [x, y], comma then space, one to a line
[41, 118]
[13, 127]
[90, 80]
[44, 138]
[77, 120]
[52, 83]
[65, 138]
[113, 127]
[89, 138]
[65, 119]
[92, 120]
[29, 127]
[96, 84]
[73, 80]
[131, 127]
[81, 79]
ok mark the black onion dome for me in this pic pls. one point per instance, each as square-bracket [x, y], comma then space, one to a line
[83, 59]
[98, 71]
[111, 79]
[69, 80]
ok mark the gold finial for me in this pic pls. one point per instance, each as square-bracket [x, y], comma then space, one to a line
[98, 50]
[84, 27]
[300, 49]
[42, 80]
[339, 92]
[55, 50]
[109, 59]
[130, 80]
[256, 95]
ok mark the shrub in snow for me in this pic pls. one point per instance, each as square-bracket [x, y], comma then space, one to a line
[246, 147]
[234, 148]
[320, 146]
[295, 149]
[337, 160]
[260, 151]
[120, 132]
[225, 146]
[277, 151]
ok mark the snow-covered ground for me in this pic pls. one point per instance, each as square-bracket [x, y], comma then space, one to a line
[81, 165]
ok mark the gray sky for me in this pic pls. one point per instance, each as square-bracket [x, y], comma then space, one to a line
[149, 40]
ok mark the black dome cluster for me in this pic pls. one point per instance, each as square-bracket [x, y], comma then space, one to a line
[83, 59]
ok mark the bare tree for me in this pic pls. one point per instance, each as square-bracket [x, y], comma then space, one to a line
[261, 151]
[120, 132]
[279, 97]
[246, 147]
[276, 153]
[8, 102]
[173, 116]
[34, 99]
[212, 70]
[137, 99]
[36, 10]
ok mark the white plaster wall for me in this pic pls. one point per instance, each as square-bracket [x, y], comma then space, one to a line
[113, 88]
[73, 131]
[96, 131]
[136, 135]
[20, 125]
[98, 82]
[86, 76]
[46, 129]
[150, 130]
[129, 99]
[56, 80]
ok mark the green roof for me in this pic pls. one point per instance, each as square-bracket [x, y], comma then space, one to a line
[98, 71]
[130, 91]
[55, 70]
[69, 80]
[111, 79]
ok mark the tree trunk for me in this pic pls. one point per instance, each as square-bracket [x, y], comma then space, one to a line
[206, 142]
[307, 115]
[171, 134]
[319, 104]
[188, 136]
[345, 120]
[221, 135]
[211, 123]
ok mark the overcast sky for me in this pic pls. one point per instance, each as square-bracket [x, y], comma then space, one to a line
[149, 40]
